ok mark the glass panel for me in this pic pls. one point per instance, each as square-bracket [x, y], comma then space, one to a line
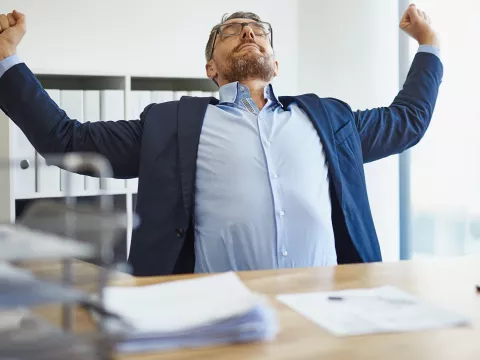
[445, 165]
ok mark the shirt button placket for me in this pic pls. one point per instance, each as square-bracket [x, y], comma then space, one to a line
[267, 144]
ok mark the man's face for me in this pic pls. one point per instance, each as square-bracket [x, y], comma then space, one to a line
[246, 56]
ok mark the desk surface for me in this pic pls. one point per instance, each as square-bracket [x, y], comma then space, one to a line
[449, 283]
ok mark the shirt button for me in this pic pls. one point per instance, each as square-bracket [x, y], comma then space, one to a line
[282, 213]
[242, 88]
[269, 143]
[275, 176]
[285, 253]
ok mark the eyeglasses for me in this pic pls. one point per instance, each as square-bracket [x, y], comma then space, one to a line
[259, 28]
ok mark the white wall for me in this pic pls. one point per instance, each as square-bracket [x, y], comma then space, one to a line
[142, 37]
[349, 50]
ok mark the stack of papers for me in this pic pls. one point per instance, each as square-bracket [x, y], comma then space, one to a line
[368, 311]
[204, 311]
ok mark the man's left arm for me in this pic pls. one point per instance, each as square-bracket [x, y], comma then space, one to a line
[394, 129]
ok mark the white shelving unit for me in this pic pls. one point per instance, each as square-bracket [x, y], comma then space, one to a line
[21, 184]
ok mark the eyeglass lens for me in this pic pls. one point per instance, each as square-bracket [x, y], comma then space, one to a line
[233, 29]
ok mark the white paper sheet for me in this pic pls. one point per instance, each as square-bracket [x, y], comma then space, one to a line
[368, 311]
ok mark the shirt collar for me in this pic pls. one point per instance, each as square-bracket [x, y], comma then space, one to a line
[233, 92]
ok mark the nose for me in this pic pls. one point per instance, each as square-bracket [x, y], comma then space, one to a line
[247, 33]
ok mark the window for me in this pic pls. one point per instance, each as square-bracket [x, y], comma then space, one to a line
[445, 165]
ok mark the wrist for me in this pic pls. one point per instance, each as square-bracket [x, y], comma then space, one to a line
[431, 39]
[6, 53]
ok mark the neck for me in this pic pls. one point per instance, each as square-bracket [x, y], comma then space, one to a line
[256, 88]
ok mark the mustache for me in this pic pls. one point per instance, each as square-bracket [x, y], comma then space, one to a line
[248, 41]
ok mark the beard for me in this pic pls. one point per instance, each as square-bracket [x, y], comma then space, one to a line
[251, 65]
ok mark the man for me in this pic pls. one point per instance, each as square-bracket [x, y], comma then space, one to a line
[252, 181]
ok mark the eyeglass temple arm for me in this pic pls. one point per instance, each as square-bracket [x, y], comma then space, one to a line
[213, 44]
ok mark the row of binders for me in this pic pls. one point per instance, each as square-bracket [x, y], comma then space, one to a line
[36, 179]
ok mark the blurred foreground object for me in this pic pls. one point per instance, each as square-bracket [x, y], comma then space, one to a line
[49, 230]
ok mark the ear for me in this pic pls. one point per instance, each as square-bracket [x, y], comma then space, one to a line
[275, 72]
[211, 70]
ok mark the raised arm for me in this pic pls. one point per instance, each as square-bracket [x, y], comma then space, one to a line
[48, 127]
[393, 129]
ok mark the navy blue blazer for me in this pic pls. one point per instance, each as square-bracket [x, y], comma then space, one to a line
[161, 150]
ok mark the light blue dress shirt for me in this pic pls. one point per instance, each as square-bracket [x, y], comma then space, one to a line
[262, 189]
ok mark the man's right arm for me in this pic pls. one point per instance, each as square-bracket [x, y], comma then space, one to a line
[47, 127]
[51, 131]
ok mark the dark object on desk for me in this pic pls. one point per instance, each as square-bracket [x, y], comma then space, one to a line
[85, 222]
[478, 287]
[99, 310]
[335, 298]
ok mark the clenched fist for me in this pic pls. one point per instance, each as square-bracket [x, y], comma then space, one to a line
[12, 29]
[417, 24]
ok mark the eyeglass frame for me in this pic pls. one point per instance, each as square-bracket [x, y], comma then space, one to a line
[216, 28]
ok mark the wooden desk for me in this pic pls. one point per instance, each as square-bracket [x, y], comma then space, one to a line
[449, 283]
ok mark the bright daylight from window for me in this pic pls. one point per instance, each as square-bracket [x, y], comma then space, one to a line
[445, 166]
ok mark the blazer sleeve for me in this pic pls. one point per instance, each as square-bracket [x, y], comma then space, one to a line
[51, 131]
[391, 130]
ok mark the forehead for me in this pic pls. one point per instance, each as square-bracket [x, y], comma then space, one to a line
[241, 20]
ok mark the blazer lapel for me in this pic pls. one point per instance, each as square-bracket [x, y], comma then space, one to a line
[191, 112]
